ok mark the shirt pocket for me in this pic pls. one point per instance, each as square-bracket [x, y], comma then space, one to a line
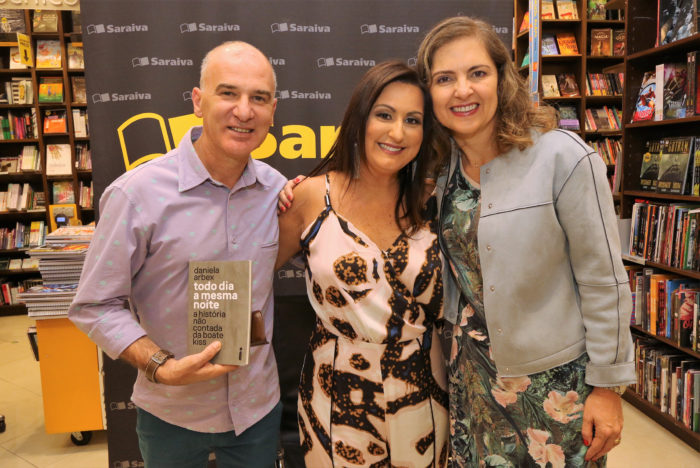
[263, 271]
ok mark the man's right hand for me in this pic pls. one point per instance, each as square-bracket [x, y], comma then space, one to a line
[192, 368]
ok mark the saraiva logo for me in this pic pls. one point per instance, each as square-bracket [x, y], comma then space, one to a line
[384, 29]
[120, 97]
[187, 96]
[412, 62]
[206, 27]
[293, 27]
[324, 62]
[161, 62]
[115, 28]
[277, 62]
[294, 94]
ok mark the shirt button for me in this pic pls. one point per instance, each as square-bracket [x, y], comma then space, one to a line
[488, 171]
[493, 288]
[500, 331]
[490, 205]
[488, 247]
[507, 369]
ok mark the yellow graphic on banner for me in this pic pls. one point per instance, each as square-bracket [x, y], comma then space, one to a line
[299, 141]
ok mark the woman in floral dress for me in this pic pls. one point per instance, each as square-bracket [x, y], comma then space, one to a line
[535, 289]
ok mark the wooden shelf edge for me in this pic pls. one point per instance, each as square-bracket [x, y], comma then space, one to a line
[668, 422]
[654, 123]
[666, 341]
[688, 42]
[662, 196]
[13, 309]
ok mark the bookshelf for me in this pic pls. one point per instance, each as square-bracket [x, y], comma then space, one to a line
[642, 56]
[34, 112]
[580, 65]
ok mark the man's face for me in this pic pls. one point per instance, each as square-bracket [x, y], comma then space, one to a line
[236, 102]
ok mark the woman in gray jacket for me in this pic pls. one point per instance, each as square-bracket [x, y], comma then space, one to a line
[535, 289]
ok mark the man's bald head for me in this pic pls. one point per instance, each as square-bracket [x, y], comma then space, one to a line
[233, 48]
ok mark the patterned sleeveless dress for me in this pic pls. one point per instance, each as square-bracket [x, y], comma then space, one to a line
[372, 390]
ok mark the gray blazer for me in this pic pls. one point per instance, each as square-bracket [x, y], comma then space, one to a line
[554, 283]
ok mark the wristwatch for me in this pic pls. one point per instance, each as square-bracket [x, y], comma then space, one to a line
[157, 360]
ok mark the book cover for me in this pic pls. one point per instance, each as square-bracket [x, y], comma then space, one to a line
[549, 45]
[76, 21]
[526, 60]
[649, 174]
[15, 60]
[547, 10]
[549, 86]
[525, 23]
[566, 10]
[672, 84]
[600, 117]
[692, 68]
[619, 42]
[665, 19]
[220, 309]
[567, 84]
[12, 21]
[55, 121]
[78, 88]
[673, 168]
[58, 159]
[45, 21]
[646, 100]
[75, 57]
[568, 118]
[601, 42]
[48, 53]
[567, 43]
[62, 191]
[596, 9]
[683, 23]
[50, 89]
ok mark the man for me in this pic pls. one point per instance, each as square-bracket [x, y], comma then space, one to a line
[205, 200]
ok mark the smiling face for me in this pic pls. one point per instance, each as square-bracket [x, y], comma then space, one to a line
[236, 102]
[394, 129]
[464, 88]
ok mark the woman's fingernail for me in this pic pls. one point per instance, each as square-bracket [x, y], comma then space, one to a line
[586, 443]
[288, 204]
[296, 180]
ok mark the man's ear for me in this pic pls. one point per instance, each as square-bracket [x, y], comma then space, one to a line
[274, 108]
[197, 101]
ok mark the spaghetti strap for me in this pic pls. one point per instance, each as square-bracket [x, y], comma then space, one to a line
[328, 191]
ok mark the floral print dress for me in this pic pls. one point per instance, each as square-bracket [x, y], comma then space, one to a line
[529, 421]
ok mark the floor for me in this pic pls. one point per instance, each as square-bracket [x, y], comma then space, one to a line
[25, 444]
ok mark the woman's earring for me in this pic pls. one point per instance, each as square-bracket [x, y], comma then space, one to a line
[356, 163]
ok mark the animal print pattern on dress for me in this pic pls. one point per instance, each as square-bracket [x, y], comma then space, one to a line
[335, 297]
[351, 269]
[358, 362]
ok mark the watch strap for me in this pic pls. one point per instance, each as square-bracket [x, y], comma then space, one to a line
[154, 362]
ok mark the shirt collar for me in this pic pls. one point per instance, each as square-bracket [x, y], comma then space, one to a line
[193, 173]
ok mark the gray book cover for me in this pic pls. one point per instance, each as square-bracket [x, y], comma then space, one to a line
[219, 309]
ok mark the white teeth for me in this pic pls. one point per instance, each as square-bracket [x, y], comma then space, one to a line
[393, 149]
[468, 108]
[241, 130]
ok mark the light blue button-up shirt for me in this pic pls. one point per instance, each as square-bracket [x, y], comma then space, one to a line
[154, 219]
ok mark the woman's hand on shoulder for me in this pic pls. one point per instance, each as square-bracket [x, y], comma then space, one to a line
[286, 195]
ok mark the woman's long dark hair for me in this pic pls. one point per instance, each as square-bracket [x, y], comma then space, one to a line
[349, 148]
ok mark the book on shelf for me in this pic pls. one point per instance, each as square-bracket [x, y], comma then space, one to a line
[596, 9]
[549, 86]
[220, 309]
[674, 165]
[83, 160]
[78, 89]
[526, 59]
[566, 9]
[671, 91]
[55, 121]
[549, 45]
[601, 42]
[15, 59]
[567, 43]
[547, 10]
[62, 191]
[692, 106]
[567, 84]
[45, 21]
[646, 100]
[80, 123]
[85, 191]
[608, 148]
[568, 118]
[58, 159]
[677, 19]
[48, 53]
[29, 159]
[19, 90]
[618, 42]
[651, 158]
[76, 21]
[12, 21]
[9, 165]
[75, 56]
[525, 23]
[50, 89]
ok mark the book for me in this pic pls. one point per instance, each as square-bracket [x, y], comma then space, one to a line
[15, 60]
[76, 21]
[12, 21]
[566, 10]
[673, 168]
[48, 53]
[80, 127]
[567, 43]
[601, 42]
[596, 9]
[75, 56]
[50, 89]
[671, 90]
[600, 117]
[692, 106]
[567, 84]
[568, 118]
[58, 159]
[549, 86]
[220, 309]
[45, 21]
[618, 42]
[525, 24]
[664, 21]
[547, 10]
[679, 20]
[62, 191]
[646, 100]
[649, 175]
[78, 89]
[526, 60]
[55, 121]
[549, 45]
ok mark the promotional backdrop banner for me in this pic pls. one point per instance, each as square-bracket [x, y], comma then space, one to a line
[143, 57]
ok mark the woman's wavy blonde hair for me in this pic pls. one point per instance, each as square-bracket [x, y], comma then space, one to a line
[515, 116]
